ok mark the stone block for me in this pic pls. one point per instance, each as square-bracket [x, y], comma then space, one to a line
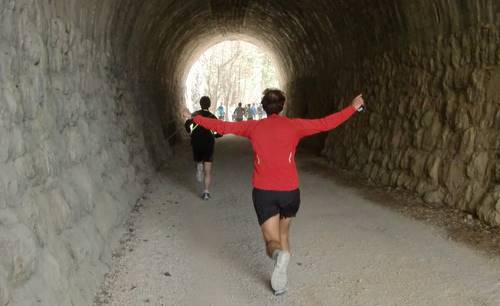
[435, 197]
[496, 221]
[19, 252]
[84, 186]
[418, 138]
[4, 147]
[417, 164]
[486, 211]
[4, 288]
[8, 217]
[497, 170]
[373, 175]
[105, 213]
[402, 180]
[455, 178]
[33, 93]
[9, 183]
[384, 178]
[28, 210]
[405, 159]
[428, 118]
[12, 99]
[422, 187]
[474, 193]
[432, 136]
[396, 139]
[76, 145]
[394, 178]
[73, 200]
[25, 167]
[366, 170]
[476, 169]
[83, 242]
[17, 146]
[33, 49]
[462, 119]
[468, 142]
[432, 168]
[60, 212]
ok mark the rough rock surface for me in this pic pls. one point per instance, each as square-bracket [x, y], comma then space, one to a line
[433, 125]
[73, 156]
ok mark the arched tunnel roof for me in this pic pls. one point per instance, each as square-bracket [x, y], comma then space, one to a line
[303, 35]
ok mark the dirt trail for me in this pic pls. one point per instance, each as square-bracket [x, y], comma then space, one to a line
[347, 250]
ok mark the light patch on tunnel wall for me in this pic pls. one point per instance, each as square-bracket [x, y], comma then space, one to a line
[230, 72]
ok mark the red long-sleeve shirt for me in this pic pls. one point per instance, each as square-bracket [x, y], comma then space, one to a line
[274, 141]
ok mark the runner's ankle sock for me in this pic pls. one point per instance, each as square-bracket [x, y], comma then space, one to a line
[275, 254]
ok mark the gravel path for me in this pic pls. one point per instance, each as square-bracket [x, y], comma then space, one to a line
[347, 250]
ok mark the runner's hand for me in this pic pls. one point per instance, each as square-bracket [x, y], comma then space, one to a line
[186, 114]
[358, 101]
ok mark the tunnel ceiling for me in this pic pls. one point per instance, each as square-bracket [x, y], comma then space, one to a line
[302, 35]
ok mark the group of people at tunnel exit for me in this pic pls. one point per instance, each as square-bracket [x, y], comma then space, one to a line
[276, 194]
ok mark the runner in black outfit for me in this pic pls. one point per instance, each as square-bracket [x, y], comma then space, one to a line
[202, 142]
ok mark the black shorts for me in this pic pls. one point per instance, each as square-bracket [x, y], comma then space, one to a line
[269, 203]
[203, 153]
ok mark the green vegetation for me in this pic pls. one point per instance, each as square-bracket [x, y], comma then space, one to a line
[230, 72]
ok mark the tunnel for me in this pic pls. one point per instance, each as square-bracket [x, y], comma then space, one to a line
[92, 92]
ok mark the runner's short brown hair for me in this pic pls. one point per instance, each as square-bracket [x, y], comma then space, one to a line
[273, 101]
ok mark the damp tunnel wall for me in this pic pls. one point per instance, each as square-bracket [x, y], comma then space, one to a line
[91, 90]
[80, 135]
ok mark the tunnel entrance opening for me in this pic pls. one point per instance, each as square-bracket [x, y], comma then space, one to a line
[230, 72]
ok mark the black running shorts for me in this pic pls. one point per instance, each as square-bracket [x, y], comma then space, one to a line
[203, 153]
[269, 203]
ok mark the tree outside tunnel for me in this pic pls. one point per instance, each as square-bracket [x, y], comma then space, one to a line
[230, 72]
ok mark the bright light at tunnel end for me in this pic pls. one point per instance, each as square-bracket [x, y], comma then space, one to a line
[230, 72]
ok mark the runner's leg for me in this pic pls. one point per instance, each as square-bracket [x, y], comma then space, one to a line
[207, 180]
[199, 171]
[274, 247]
[284, 230]
[271, 232]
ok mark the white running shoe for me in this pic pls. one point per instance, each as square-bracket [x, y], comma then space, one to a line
[199, 172]
[279, 277]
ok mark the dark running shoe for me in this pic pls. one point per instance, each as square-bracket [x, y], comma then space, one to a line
[205, 196]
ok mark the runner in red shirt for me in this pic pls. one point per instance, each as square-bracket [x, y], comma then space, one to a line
[276, 196]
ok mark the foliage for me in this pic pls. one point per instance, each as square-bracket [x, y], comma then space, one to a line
[229, 73]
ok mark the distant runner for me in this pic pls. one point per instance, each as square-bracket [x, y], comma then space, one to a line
[221, 112]
[276, 194]
[252, 112]
[260, 111]
[202, 142]
[239, 112]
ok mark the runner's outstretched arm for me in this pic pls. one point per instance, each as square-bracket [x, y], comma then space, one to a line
[306, 127]
[223, 127]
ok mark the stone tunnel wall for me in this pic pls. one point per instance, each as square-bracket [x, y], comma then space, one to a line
[433, 120]
[74, 154]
